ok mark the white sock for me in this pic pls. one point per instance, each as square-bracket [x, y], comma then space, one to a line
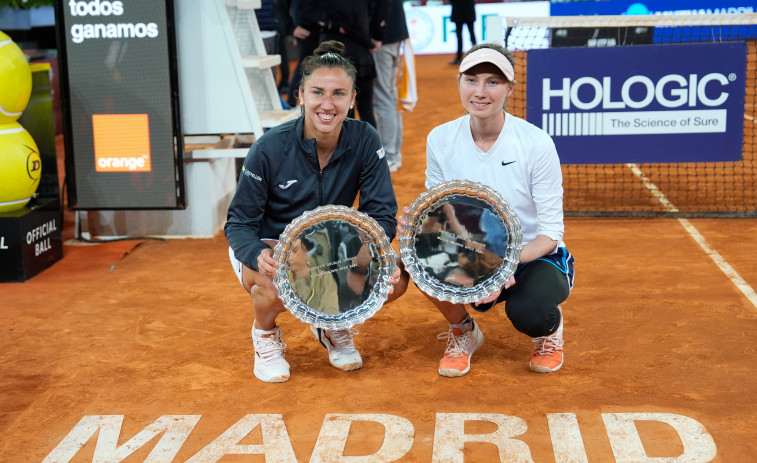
[465, 325]
[262, 332]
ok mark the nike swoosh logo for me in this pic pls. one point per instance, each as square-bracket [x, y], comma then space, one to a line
[506, 163]
[289, 183]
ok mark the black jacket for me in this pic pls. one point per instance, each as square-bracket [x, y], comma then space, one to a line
[281, 179]
[463, 11]
[396, 23]
[362, 20]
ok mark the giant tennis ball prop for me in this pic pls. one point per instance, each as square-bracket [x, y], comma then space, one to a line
[19, 156]
[21, 167]
[16, 78]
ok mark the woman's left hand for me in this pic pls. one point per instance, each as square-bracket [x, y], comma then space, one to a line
[495, 295]
[401, 221]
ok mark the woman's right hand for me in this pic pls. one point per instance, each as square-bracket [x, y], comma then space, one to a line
[266, 264]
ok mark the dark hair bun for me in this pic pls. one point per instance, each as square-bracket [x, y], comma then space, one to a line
[330, 46]
[329, 54]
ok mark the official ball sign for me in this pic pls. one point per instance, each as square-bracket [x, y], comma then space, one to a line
[641, 104]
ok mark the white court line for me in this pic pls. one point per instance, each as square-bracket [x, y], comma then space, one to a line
[729, 271]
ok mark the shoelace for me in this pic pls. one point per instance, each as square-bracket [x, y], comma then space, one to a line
[343, 338]
[268, 347]
[456, 345]
[548, 344]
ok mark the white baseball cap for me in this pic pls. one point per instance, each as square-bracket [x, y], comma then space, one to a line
[488, 55]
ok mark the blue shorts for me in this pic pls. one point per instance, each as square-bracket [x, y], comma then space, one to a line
[562, 259]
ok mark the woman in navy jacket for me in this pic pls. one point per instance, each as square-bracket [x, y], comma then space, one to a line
[321, 158]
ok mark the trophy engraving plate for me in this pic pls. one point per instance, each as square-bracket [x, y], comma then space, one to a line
[462, 241]
[334, 266]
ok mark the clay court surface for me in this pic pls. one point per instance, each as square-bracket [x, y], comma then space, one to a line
[139, 330]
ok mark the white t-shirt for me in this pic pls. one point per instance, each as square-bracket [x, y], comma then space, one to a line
[522, 166]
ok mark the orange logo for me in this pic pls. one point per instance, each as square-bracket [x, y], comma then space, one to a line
[122, 142]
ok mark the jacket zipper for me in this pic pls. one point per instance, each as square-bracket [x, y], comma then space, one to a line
[320, 187]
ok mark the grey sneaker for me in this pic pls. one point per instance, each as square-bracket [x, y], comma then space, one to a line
[341, 347]
[270, 365]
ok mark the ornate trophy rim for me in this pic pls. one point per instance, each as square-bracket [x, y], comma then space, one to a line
[437, 195]
[379, 293]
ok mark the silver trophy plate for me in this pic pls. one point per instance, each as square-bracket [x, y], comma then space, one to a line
[462, 241]
[334, 267]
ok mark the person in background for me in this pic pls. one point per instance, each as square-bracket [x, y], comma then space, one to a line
[388, 117]
[519, 160]
[359, 25]
[269, 29]
[307, 34]
[321, 158]
[282, 12]
[463, 14]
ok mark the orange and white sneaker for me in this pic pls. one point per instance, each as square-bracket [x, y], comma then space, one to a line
[460, 348]
[548, 352]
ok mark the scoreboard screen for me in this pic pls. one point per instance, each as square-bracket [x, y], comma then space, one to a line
[119, 94]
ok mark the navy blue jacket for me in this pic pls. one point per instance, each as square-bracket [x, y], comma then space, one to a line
[266, 16]
[281, 179]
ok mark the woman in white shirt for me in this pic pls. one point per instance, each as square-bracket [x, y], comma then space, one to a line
[519, 160]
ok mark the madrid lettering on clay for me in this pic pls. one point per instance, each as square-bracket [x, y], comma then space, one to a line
[449, 439]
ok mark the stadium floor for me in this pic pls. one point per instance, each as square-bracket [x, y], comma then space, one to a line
[660, 355]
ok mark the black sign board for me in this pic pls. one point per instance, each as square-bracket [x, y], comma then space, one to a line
[30, 239]
[119, 91]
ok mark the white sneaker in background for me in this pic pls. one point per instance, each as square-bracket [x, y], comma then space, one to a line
[340, 344]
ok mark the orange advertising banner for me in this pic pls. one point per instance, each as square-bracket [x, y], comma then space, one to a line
[122, 142]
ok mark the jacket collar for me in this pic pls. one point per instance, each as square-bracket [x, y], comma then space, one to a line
[309, 148]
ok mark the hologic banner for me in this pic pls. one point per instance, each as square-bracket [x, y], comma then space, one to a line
[642, 104]
[636, 7]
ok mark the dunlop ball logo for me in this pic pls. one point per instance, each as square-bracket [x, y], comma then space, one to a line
[33, 164]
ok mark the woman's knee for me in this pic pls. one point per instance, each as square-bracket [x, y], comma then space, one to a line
[260, 287]
[264, 293]
[533, 318]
